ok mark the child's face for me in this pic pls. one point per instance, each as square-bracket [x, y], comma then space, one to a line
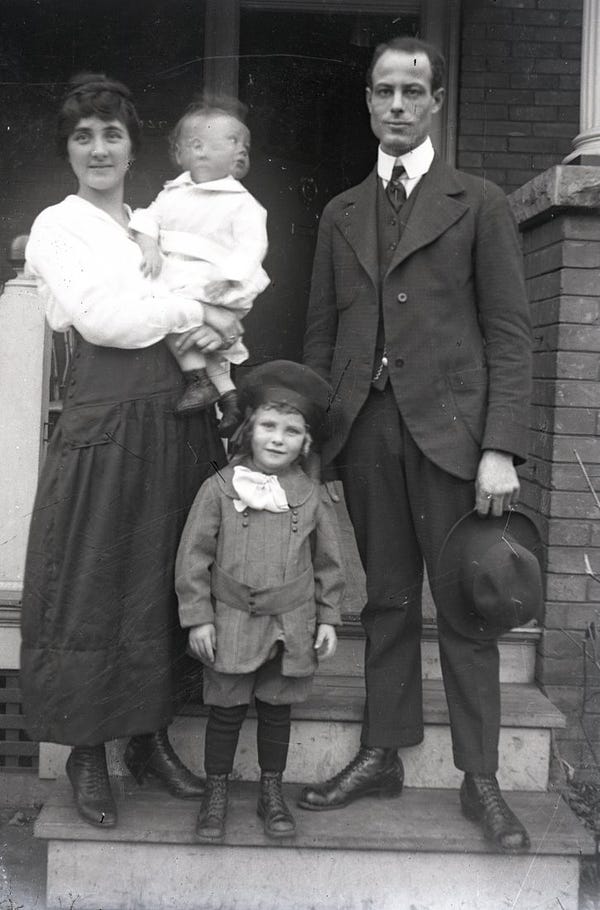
[213, 147]
[277, 439]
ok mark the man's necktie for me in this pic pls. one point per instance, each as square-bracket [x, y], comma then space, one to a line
[395, 190]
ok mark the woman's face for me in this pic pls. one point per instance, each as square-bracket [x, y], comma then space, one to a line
[99, 152]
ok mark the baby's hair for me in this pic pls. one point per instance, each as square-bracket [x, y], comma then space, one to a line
[96, 95]
[243, 445]
[207, 106]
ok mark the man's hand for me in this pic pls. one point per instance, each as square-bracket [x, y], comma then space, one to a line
[203, 641]
[326, 640]
[151, 264]
[497, 484]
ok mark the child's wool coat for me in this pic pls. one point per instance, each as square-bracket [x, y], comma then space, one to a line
[230, 565]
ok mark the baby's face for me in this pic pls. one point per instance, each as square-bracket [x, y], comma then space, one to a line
[214, 146]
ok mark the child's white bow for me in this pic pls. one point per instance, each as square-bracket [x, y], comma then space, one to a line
[258, 491]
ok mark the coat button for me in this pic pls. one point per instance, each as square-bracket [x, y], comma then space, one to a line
[392, 246]
[402, 297]
[294, 530]
[399, 362]
[244, 524]
[393, 222]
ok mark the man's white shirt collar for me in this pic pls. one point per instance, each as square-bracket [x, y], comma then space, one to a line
[416, 163]
[227, 184]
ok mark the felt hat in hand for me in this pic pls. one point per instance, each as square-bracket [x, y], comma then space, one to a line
[289, 383]
[489, 578]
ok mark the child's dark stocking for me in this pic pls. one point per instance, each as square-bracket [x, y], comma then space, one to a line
[222, 734]
[273, 737]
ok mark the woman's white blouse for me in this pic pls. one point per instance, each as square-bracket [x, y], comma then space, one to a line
[88, 274]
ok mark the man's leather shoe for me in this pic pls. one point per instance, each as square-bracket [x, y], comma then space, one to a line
[372, 772]
[482, 801]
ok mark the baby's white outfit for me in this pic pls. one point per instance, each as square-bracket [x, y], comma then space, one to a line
[212, 231]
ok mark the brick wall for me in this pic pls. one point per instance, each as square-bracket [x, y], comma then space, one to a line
[562, 258]
[519, 87]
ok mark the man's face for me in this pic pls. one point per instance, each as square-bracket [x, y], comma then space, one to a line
[401, 102]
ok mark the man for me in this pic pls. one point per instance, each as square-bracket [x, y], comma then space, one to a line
[418, 317]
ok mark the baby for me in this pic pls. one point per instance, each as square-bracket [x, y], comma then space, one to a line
[206, 235]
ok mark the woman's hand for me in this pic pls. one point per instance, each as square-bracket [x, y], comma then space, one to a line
[204, 337]
[326, 640]
[224, 322]
[202, 641]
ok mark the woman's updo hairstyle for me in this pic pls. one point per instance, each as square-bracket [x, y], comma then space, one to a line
[95, 95]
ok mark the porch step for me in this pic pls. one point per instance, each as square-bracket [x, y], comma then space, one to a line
[413, 852]
[326, 729]
[517, 653]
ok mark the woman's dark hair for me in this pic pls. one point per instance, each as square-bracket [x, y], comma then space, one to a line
[95, 95]
[207, 106]
[409, 45]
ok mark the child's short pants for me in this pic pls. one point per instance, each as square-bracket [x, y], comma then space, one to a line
[266, 683]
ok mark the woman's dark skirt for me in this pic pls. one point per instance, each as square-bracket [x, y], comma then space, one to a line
[103, 655]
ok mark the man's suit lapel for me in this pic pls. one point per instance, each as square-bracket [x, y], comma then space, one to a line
[437, 207]
[357, 220]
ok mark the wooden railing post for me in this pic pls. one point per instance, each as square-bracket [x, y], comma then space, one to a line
[24, 378]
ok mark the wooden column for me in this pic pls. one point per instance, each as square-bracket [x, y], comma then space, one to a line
[221, 46]
[440, 25]
[586, 145]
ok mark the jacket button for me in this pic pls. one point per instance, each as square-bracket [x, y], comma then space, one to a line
[399, 362]
[244, 524]
[402, 297]
[294, 530]
[392, 246]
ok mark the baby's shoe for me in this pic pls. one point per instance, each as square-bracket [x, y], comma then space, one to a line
[199, 394]
[277, 819]
[229, 404]
[210, 824]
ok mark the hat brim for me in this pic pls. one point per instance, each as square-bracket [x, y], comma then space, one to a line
[450, 599]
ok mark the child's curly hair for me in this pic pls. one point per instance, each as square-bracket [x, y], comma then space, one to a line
[242, 446]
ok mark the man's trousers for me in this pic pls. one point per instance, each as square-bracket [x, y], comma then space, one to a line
[402, 507]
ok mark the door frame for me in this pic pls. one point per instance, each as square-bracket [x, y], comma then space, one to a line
[441, 26]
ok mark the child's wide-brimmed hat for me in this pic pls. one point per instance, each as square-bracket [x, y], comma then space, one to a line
[489, 578]
[289, 383]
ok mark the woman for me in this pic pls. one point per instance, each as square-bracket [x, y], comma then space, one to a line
[100, 629]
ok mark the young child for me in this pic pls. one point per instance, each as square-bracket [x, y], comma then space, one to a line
[212, 236]
[259, 579]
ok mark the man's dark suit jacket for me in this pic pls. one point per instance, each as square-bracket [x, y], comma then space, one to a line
[455, 311]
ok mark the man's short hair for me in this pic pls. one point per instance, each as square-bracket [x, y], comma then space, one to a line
[409, 45]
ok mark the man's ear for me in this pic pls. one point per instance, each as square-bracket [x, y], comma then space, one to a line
[438, 97]
[368, 96]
